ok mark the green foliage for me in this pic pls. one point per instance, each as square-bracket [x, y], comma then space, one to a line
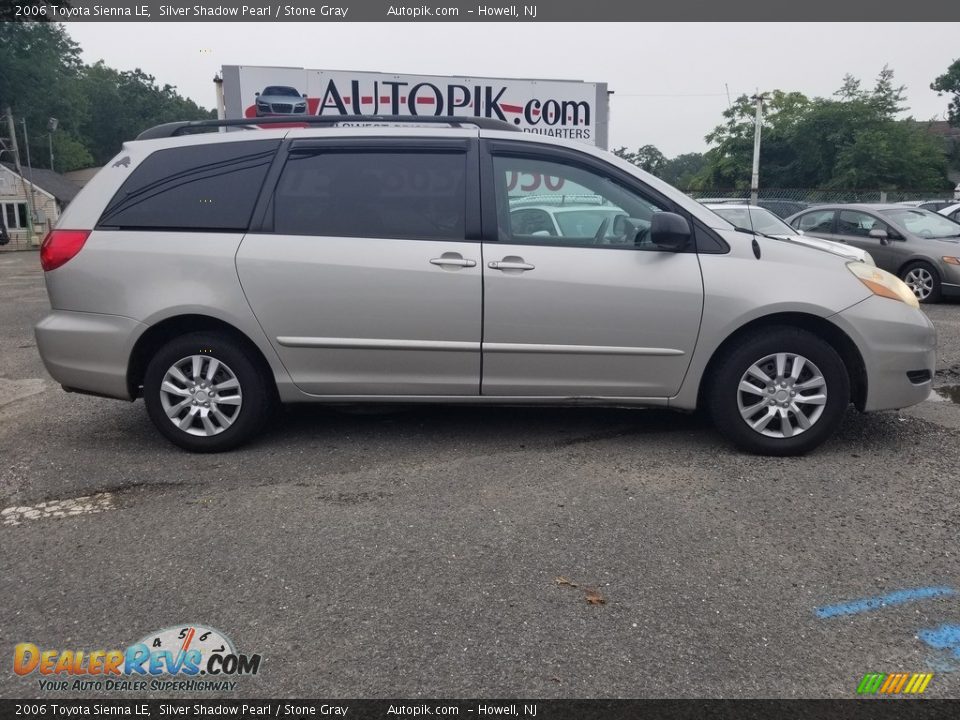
[681, 170]
[97, 107]
[647, 158]
[123, 104]
[678, 171]
[949, 83]
[850, 141]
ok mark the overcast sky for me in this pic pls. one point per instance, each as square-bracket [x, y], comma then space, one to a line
[669, 79]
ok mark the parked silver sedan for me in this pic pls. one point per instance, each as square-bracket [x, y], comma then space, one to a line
[919, 246]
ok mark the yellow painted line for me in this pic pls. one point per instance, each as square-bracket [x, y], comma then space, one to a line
[925, 683]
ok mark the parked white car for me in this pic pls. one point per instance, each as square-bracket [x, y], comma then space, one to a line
[951, 211]
[763, 221]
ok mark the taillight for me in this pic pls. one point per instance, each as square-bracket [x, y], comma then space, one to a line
[59, 246]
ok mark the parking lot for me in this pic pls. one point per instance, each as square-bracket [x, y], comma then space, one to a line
[482, 552]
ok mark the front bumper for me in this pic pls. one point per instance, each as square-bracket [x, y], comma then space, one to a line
[894, 339]
[88, 352]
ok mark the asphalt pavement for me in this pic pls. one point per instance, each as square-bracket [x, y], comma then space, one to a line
[481, 552]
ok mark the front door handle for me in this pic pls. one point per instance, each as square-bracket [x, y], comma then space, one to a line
[510, 263]
[453, 260]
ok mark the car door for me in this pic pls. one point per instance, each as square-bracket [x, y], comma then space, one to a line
[854, 227]
[365, 271]
[570, 316]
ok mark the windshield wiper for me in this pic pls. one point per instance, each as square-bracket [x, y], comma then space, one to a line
[755, 232]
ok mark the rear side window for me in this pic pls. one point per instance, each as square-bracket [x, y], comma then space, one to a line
[416, 195]
[197, 187]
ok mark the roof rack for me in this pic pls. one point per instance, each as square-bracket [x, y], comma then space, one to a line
[187, 127]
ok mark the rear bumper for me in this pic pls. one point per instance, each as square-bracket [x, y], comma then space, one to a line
[88, 352]
[893, 339]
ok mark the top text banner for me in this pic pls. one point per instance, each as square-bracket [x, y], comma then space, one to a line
[467, 11]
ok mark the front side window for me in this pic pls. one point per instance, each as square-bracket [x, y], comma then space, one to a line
[816, 221]
[859, 224]
[377, 194]
[589, 209]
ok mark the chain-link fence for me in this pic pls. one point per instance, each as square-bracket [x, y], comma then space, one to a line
[813, 197]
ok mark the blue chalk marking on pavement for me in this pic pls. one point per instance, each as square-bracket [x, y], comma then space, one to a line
[945, 637]
[895, 598]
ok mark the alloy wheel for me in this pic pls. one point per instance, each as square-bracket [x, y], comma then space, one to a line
[920, 280]
[782, 395]
[201, 395]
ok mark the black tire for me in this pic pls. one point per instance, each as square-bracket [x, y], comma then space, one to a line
[724, 394]
[920, 267]
[255, 390]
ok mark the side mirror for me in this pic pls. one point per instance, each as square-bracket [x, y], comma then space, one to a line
[304, 96]
[880, 235]
[256, 94]
[669, 231]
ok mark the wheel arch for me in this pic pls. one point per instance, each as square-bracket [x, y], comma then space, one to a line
[157, 335]
[821, 327]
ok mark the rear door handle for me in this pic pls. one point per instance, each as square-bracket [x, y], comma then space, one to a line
[505, 264]
[453, 260]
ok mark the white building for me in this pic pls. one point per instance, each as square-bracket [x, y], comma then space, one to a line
[51, 193]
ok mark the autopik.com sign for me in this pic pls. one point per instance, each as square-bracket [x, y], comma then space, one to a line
[568, 109]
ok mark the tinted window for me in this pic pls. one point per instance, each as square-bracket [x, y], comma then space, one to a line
[197, 187]
[851, 222]
[816, 221]
[589, 209]
[373, 194]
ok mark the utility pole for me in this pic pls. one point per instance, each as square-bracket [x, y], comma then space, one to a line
[52, 125]
[755, 178]
[33, 203]
[15, 149]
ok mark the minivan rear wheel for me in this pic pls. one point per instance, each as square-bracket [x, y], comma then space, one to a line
[924, 280]
[205, 394]
[780, 391]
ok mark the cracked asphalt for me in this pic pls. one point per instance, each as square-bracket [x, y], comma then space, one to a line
[451, 552]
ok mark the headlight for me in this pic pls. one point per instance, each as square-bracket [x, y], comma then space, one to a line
[883, 283]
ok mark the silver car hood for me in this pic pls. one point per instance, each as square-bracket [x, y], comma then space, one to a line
[847, 251]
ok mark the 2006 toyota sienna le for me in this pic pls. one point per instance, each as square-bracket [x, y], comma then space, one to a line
[217, 273]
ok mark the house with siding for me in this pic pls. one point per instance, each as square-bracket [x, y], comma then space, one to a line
[51, 194]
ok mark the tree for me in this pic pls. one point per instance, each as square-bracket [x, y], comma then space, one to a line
[124, 104]
[850, 141]
[681, 170]
[647, 158]
[949, 83]
[39, 70]
[97, 107]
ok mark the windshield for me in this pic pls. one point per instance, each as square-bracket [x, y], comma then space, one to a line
[923, 223]
[755, 218]
[281, 91]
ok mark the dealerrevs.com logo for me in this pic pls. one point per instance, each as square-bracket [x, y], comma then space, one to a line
[189, 658]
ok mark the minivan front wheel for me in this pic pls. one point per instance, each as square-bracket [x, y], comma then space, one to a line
[782, 391]
[203, 392]
[923, 280]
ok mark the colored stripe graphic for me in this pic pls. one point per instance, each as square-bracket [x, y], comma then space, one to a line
[895, 598]
[870, 683]
[894, 683]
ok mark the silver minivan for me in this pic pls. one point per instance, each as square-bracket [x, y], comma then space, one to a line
[215, 274]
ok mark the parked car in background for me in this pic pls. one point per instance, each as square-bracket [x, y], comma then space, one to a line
[780, 208]
[551, 217]
[280, 100]
[935, 205]
[919, 246]
[763, 221]
[951, 211]
[783, 208]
